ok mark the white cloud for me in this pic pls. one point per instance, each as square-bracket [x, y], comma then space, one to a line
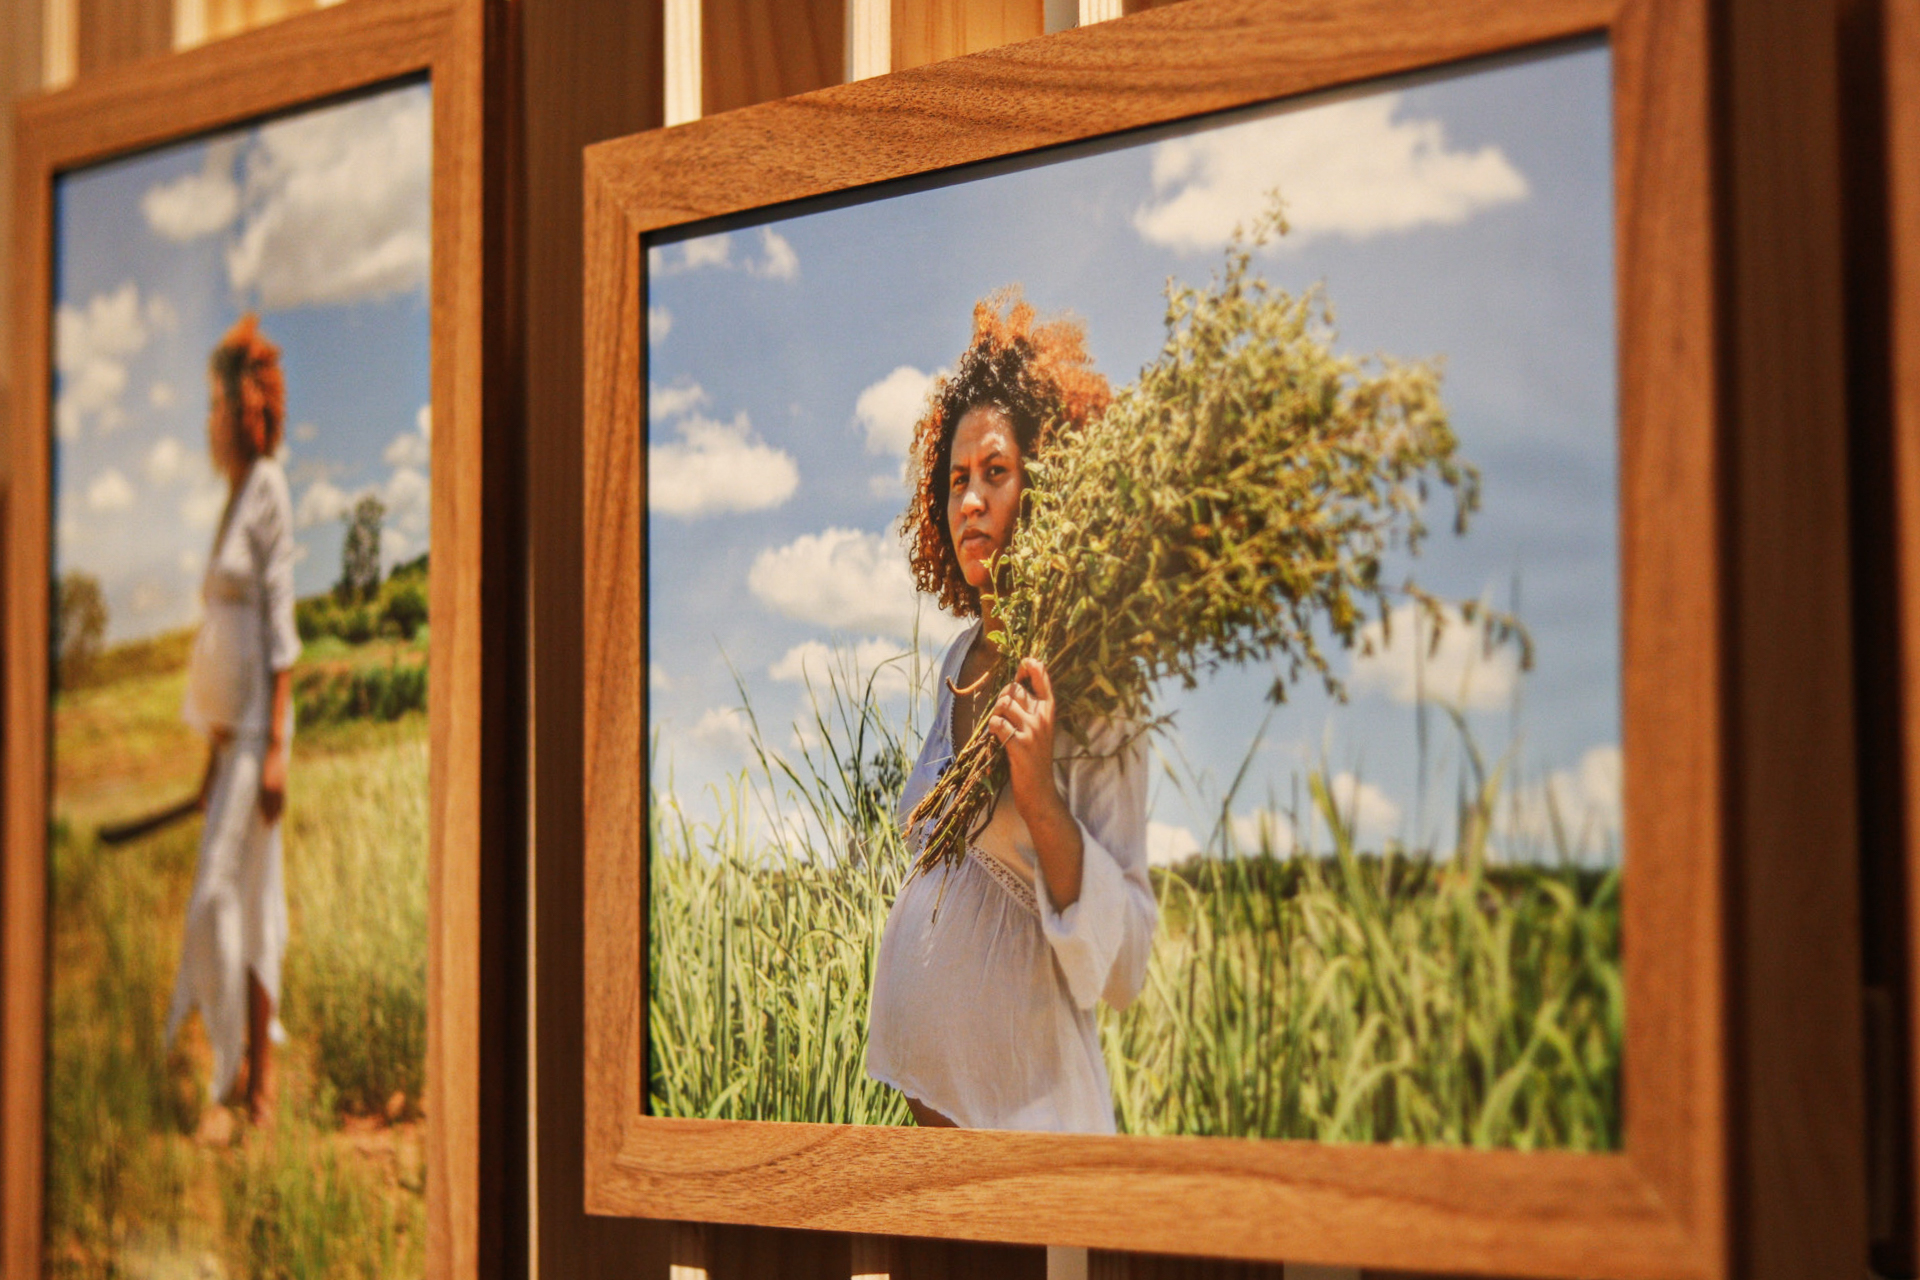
[885, 662]
[195, 204]
[201, 508]
[847, 580]
[1353, 168]
[1364, 808]
[890, 487]
[1461, 673]
[165, 462]
[322, 503]
[670, 402]
[1168, 844]
[306, 433]
[659, 323]
[160, 395]
[888, 409]
[408, 497]
[657, 678]
[91, 345]
[409, 449]
[1585, 800]
[395, 546]
[336, 205]
[778, 261]
[725, 727]
[775, 261]
[707, 251]
[1263, 829]
[109, 492]
[718, 466]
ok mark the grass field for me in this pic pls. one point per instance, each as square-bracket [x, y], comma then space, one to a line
[1335, 993]
[337, 1188]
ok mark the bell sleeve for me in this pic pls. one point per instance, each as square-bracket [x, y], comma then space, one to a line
[270, 538]
[1102, 942]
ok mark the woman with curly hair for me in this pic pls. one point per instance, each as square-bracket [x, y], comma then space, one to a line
[239, 696]
[982, 1010]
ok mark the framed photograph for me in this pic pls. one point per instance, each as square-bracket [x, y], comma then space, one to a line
[245, 1003]
[1155, 609]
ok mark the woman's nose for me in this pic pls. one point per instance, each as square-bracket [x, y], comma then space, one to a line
[971, 502]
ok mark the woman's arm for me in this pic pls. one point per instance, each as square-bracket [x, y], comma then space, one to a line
[273, 769]
[270, 528]
[1023, 722]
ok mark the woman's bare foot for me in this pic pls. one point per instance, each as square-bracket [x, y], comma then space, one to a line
[262, 1091]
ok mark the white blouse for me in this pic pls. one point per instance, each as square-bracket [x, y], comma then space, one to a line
[247, 632]
[983, 993]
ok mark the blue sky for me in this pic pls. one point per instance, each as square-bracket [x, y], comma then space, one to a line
[320, 221]
[1467, 218]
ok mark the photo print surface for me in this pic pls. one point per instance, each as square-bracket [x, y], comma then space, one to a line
[1134, 638]
[238, 870]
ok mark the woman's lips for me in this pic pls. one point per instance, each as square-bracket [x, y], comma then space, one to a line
[975, 541]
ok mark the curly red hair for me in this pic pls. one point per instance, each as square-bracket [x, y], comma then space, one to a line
[1039, 376]
[252, 394]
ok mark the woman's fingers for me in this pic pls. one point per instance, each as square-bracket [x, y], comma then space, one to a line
[1035, 672]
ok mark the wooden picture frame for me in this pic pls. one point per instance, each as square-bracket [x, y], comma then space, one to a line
[1672, 1203]
[473, 1054]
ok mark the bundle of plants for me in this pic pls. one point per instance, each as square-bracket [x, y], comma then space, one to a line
[1234, 505]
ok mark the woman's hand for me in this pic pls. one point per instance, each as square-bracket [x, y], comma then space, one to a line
[1022, 722]
[273, 783]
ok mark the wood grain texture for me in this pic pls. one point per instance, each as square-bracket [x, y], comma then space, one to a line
[757, 50]
[471, 1166]
[593, 67]
[1795, 1107]
[925, 31]
[113, 33]
[230, 17]
[1886, 949]
[1658, 1209]
[1901, 66]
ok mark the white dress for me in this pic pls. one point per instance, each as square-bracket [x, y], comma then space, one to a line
[983, 994]
[237, 916]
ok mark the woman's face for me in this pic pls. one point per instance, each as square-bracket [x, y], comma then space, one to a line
[221, 445]
[984, 481]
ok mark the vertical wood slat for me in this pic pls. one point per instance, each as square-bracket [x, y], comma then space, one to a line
[933, 30]
[756, 50]
[1868, 33]
[1795, 1109]
[589, 70]
[113, 32]
[20, 72]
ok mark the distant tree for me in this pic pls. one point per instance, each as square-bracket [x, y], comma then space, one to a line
[406, 608]
[360, 552]
[79, 626]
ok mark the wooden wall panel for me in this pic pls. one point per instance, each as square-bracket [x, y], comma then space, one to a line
[1886, 951]
[113, 32]
[590, 69]
[220, 18]
[932, 30]
[19, 74]
[1795, 1110]
[757, 50]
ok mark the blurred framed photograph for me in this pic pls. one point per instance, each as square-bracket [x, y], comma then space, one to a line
[1153, 601]
[245, 1005]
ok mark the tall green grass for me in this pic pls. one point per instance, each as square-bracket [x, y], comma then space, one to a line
[1339, 994]
[355, 983]
[128, 1191]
